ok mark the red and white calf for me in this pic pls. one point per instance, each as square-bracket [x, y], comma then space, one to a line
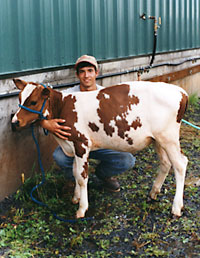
[126, 117]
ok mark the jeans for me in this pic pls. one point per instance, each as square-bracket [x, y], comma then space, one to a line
[112, 163]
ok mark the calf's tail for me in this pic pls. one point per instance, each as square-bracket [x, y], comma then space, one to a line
[183, 107]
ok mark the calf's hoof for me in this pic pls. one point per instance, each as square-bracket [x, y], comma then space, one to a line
[75, 200]
[151, 200]
[176, 212]
[153, 195]
[80, 214]
[175, 217]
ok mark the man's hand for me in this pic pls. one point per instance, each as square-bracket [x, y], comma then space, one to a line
[55, 126]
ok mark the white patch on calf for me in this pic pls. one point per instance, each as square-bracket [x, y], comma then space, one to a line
[46, 113]
[106, 96]
[14, 119]
[27, 92]
[118, 117]
[112, 123]
[24, 95]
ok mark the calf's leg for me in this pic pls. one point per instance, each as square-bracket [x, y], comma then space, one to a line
[80, 170]
[179, 163]
[163, 171]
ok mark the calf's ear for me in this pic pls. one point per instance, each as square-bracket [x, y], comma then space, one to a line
[45, 93]
[20, 83]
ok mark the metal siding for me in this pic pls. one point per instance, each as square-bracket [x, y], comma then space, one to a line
[37, 34]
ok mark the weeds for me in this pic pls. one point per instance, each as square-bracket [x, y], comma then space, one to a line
[193, 99]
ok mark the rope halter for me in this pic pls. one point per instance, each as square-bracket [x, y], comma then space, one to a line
[40, 113]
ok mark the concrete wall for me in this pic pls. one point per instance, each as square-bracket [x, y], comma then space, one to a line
[18, 153]
[190, 83]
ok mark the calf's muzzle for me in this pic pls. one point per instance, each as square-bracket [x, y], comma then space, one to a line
[14, 126]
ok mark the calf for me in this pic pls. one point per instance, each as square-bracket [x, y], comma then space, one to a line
[125, 117]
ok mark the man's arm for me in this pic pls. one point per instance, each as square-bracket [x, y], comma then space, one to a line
[55, 126]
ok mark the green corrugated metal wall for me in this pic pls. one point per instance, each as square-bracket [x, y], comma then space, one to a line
[37, 34]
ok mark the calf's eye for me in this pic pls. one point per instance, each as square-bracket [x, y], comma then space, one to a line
[33, 103]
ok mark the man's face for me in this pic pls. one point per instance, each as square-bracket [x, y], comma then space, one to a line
[87, 76]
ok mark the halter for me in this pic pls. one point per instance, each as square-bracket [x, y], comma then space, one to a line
[35, 111]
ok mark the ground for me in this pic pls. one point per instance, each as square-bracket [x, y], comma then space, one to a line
[124, 224]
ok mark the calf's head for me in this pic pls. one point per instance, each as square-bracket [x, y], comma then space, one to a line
[33, 105]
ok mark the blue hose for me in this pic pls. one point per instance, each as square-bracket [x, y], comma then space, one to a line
[43, 181]
[188, 123]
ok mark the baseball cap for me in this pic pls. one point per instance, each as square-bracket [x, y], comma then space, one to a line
[89, 59]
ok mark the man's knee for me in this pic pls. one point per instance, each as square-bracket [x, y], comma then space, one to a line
[128, 160]
[57, 156]
[61, 159]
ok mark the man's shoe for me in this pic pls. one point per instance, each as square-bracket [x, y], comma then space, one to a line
[111, 184]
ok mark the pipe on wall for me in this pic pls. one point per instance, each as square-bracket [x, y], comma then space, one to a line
[140, 70]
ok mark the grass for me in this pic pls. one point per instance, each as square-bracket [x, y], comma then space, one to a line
[193, 99]
[125, 224]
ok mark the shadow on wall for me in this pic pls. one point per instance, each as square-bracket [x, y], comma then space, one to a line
[19, 156]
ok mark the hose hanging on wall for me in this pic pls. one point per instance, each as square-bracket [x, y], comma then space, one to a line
[143, 16]
[155, 39]
[154, 48]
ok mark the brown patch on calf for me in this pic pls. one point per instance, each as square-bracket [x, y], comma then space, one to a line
[129, 140]
[20, 83]
[84, 174]
[136, 123]
[37, 97]
[70, 115]
[182, 107]
[93, 127]
[55, 104]
[114, 104]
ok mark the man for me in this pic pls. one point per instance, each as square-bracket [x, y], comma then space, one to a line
[112, 163]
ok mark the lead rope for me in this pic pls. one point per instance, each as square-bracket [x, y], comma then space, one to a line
[43, 181]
